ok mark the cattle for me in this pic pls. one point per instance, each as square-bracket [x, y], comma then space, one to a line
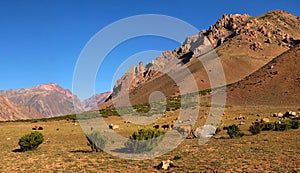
[184, 129]
[40, 128]
[165, 126]
[280, 115]
[265, 120]
[113, 126]
[35, 128]
[242, 123]
[165, 165]
[156, 126]
[256, 121]
[241, 118]
[289, 114]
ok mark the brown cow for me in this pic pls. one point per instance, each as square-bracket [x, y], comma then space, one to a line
[184, 129]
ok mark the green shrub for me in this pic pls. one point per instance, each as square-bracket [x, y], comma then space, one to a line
[267, 126]
[96, 141]
[295, 124]
[283, 125]
[176, 157]
[255, 129]
[144, 140]
[218, 130]
[234, 131]
[31, 141]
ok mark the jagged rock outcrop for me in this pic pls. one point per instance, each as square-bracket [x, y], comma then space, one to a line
[226, 27]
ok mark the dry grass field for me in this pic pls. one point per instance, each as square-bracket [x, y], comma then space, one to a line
[67, 150]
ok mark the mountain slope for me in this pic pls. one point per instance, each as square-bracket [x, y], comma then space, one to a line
[95, 100]
[47, 99]
[243, 44]
[11, 112]
[276, 84]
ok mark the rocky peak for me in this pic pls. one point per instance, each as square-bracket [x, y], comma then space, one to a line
[225, 27]
[53, 87]
[140, 68]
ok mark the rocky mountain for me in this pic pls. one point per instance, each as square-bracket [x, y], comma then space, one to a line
[47, 100]
[9, 111]
[243, 44]
[95, 100]
[276, 84]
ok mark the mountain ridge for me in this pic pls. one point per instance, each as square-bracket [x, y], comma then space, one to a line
[242, 42]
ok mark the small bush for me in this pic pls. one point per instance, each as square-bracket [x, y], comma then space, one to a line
[295, 124]
[96, 141]
[177, 157]
[218, 130]
[144, 140]
[267, 126]
[283, 125]
[234, 131]
[31, 141]
[255, 129]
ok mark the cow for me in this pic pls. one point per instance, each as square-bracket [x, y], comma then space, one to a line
[113, 127]
[184, 129]
[156, 126]
[40, 128]
[265, 120]
[165, 127]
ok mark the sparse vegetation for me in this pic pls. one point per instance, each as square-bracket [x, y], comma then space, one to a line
[267, 126]
[234, 131]
[96, 141]
[31, 141]
[144, 140]
[255, 129]
[283, 125]
[218, 130]
[295, 124]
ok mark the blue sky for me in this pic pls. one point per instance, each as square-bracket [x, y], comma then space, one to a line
[41, 40]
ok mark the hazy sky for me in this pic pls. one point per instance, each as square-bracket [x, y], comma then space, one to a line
[41, 40]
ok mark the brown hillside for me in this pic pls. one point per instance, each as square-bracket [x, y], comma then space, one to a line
[10, 111]
[46, 99]
[276, 84]
[243, 43]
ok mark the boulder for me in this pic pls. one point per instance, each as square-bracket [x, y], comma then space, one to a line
[205, 131]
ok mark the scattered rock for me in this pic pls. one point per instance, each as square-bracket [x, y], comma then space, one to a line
[256, 46]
